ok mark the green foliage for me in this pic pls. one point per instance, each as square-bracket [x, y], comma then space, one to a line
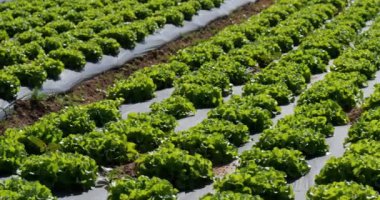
[52, 67]
[16, 188]
[162, 76]
[229, 40]
[72, 59]
[142, 28]
[91, 50]
[60, 170]
[75, 120]
[3, 35]
[278, 91]
[263, 101]
[237, 134]
[189, 9]
[179, 68]
[162, 121]
[295, 81]
[237, 73]
[351, 167]
[370, 44]
[373, 101]
[46, 31]
[356, 63]
[353, 78]
[292, 162]
[364, 147]
[315, 59]
[308, 141]
[253, 28]
[228, 195]
[211, 146]
[84, 34]
[300, 69]
[207, 76]
[52, 43]
[33, 50]
[124, 35]
[134, 89]
[184, 171]
[263, 52]
[10, 194]
[18, 25]
[252, 111]
[30, 75]
[104, 148]
[9, 86]
[372, 114]
[342, 190]
[44, 132]
[12, 154]
[109, 46]
[319, 124]
[103, 112]
[142, 188]
[266, 182]
[142, 11]
[320, 41]
[364, 129]
[329, 109]
[367, 125]
[27, 37]
[176, 106]
[10, 54]
[61, 25]
[202, 96]
[173, 16]
[198, 55]
[207, 4]
[146, 137]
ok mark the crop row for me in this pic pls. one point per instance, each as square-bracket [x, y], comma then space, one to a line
[355, 174]
[202, 69]
[319, 108]
[182, 160]
[42, 139]
[39, 39]
[46, 136]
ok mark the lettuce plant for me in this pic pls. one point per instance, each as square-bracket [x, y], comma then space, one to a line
[142, 188]
[62, 171]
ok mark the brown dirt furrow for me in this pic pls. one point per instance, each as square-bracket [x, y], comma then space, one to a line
[354, 114]
[28, 111]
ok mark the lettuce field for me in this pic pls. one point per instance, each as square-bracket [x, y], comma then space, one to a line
[283, 105]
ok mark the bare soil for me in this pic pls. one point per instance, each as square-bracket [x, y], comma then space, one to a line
[28, 111]
[354, 114]
[221, 171]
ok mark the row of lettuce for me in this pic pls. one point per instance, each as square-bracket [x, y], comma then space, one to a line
[279, 155]
[214, 139]
[32, 150]
[39, 39]
[356, 172]
[72, 124]
[205, 73]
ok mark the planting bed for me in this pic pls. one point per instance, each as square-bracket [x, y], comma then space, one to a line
[258, 111]
[79, 48]
[26, 111]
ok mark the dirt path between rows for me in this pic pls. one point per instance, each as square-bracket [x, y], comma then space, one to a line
[28, 111]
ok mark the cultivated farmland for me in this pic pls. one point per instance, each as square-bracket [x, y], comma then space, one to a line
[284, 105]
